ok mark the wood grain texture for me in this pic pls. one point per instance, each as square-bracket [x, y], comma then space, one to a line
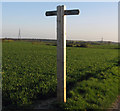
[61, 48]
[61, 54]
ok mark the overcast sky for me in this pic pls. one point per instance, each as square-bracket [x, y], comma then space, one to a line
[96, 20]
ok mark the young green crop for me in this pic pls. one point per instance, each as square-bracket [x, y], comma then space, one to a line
[29, 73]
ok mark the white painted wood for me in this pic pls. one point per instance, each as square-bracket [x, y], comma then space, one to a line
[61, 54]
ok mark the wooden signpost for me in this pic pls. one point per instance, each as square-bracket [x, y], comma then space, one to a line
[61, 48]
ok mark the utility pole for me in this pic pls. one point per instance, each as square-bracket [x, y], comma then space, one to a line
[19, 35]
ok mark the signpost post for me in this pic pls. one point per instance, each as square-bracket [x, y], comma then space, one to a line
[61, 48]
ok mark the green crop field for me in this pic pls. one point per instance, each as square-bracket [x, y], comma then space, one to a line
[29, 73]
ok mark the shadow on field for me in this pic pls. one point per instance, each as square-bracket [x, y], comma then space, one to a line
[86, 76]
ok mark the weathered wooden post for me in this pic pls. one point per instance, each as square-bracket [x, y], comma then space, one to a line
[61, 54]
[61, 49]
